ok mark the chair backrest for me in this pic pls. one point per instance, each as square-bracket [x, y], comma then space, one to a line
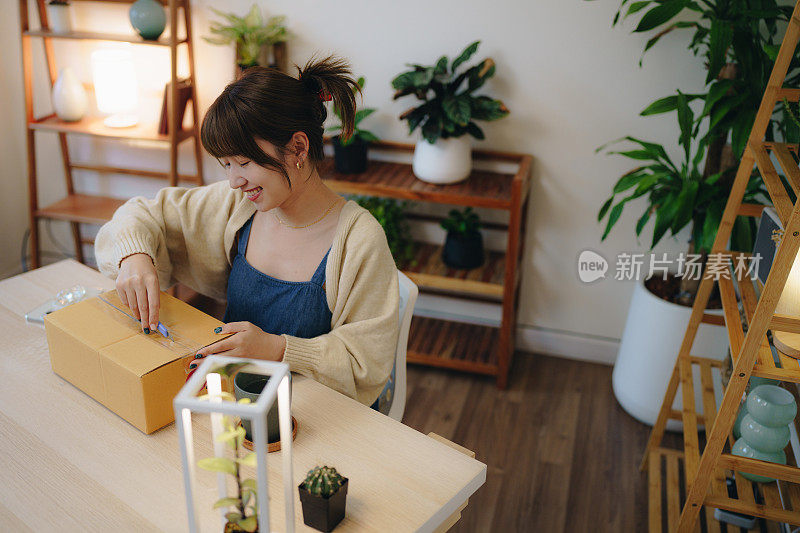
[408, 298]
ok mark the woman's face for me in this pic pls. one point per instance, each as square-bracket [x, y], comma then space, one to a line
[265, 187]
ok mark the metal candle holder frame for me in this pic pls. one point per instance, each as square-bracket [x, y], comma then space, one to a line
[186, 402]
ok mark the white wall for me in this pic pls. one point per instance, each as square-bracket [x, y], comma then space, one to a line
[571, 82]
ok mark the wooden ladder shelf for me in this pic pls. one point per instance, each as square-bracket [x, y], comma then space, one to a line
[705, 469]
[88, 209]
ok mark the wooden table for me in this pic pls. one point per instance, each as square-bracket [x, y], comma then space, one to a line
[69, 464]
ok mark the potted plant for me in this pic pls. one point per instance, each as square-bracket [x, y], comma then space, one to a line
[678, 194]
[447, 113]
[390, 213]
[244, 516]
[463, 247]
[350, 155]
[58, 16]
[323, 495]
[738, 45]
[252, 37]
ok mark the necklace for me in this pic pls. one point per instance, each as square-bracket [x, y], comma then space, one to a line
[307, 225]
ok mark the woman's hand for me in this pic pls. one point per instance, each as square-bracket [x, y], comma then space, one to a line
[248, 340]
[137, 287]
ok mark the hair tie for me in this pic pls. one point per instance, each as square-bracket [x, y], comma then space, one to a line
[325, 96]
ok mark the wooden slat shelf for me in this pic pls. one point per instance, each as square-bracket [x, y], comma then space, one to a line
[95, 36]
[82, 208]
[94, 126]
[431, 273]
[396, 180]
[453, 345]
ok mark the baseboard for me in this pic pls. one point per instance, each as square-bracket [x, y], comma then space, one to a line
[567, 344]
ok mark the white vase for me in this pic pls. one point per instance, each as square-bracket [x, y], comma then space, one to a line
[446, 161]
[59, 18]
[69, 97]
[649, 348]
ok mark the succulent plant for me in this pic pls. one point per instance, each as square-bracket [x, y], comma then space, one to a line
[465, 223]
[323, 481]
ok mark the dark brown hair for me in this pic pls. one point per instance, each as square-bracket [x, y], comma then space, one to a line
[267, 104]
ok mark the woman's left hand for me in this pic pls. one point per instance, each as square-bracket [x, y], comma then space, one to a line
[248, 340]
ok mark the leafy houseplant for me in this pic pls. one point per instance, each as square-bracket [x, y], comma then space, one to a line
[463, 247]
[244, 516]
[350, 155]
[250, 34]
[448, 111]
[738, 42]
[323, 495]
[390, 214]
[678, 194]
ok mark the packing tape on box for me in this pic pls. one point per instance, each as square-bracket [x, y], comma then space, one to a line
[180, 346]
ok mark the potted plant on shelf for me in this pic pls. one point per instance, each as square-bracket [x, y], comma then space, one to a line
[323, 495]
[58, 16]
[463, 247]
[253, 38]
[391, 215]
[244, 516]
[350, 155]
[448, 112]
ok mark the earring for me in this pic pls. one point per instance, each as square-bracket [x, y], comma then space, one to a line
[299, 165]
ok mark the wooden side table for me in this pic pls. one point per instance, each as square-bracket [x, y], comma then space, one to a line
[443, 343]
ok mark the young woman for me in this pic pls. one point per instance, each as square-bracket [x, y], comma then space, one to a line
[308, 277]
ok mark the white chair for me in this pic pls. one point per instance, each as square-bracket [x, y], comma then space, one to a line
[408, 298]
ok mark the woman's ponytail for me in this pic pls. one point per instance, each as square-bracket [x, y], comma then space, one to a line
[331, 76]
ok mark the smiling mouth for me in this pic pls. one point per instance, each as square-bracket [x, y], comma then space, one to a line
[254, 193]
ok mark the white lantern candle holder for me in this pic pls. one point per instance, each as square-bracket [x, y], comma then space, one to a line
[186, 402]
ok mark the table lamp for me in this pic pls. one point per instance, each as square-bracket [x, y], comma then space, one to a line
[789, 305]
[115, 87]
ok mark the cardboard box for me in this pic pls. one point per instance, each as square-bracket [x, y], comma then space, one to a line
[106, 355]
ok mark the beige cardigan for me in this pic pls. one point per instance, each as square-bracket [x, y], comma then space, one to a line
[189, 233]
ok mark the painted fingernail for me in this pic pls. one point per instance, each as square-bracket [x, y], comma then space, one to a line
[147, 331]
[218, 329]
[192, 366]
[198, 356]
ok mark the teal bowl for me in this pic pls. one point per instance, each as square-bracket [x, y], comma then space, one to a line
[743, 449]
[771, 406]
[737, 424]
[763, 437]
[757, 381]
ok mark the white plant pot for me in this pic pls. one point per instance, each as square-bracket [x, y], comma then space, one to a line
[69, 96]
[446, 161]
[59, 18]
[650, 343]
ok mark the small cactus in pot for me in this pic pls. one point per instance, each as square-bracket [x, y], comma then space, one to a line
[323, 495]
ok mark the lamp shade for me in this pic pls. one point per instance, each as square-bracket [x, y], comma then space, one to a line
[115, 86]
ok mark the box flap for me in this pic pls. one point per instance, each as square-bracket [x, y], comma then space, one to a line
[89, 322]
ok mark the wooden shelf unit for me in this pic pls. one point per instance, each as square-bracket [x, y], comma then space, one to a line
[706, 461]
[478, 349]
[80, 208]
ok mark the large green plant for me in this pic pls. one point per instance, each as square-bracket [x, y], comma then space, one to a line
[738, 41]
[678, 193]
[448, 109]
[361, 114]
[248, 32]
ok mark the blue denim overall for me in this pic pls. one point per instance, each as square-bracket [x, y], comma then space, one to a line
[296, 308]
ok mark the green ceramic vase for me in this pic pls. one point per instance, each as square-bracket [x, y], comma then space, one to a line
[148, 18]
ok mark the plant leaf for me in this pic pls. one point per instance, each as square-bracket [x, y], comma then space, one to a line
[226, 502]
[248, 460]
[218, 464]
[660, 14]
[465, 55]
[249, 524]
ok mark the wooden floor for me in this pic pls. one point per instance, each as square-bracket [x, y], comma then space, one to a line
[561, 454]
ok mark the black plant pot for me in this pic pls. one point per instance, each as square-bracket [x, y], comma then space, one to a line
[463, 251]
[350, 159]
[323, 513]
